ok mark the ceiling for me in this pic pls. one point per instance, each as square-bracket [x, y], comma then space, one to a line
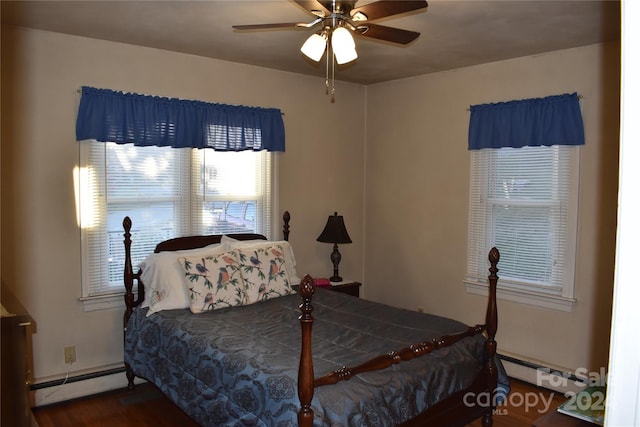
[454, 33]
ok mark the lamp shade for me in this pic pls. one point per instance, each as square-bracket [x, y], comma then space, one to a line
[314, 47]
[335, 231]
[343, 45]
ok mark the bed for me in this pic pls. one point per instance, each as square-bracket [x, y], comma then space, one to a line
[232, 360]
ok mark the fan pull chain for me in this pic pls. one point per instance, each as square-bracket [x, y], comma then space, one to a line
[330, 57]
[326, 79]
[333, 79]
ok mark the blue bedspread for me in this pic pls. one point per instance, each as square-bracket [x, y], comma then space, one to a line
[239, 366]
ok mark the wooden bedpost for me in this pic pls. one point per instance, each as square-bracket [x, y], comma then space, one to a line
[129, 275]
[305, 371]
[129, 278]
[491, 322]
[128, 271]
[286, 217]
[128, 286]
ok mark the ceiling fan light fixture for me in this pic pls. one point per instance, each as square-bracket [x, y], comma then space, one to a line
[314, 47]
[346, 56]
[343, 45]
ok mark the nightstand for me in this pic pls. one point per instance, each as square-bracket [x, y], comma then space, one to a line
[346, 287]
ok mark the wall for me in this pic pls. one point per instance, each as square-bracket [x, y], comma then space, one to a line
[321, 171]
[417, 191]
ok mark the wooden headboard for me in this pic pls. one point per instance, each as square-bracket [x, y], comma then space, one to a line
[194, 242]
[177, 243]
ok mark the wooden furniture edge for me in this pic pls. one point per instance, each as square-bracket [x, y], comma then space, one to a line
[453, 405]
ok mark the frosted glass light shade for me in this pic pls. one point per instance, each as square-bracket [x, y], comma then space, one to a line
[346, 55]
[344, 47]
[314, 47]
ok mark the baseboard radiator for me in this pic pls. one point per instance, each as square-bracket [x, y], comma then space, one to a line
[554, 379]
[76, 386]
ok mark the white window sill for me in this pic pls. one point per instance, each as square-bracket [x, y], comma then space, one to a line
[553, 302]
[104, 302]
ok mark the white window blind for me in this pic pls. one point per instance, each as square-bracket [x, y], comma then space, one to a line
[524, 202]
[167, 192]
[232, 191]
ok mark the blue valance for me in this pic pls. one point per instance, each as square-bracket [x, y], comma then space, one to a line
[553, 120]
[109, 116]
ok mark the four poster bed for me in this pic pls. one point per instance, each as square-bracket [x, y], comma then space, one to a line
[247, 356]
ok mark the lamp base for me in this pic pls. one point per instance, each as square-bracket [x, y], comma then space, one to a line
[335, 259]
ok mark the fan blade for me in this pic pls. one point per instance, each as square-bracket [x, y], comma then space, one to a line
[383, 8]
[267, 26]
[314, 7]
[380, 32]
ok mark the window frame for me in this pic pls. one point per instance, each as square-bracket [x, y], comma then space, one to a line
[188, 199]
[475, 280]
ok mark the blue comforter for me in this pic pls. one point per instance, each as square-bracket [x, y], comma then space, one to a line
[239, 366]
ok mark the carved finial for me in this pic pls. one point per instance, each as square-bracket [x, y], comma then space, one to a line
[494, 256]
[286, 217]
[126, 223]
[307, 287]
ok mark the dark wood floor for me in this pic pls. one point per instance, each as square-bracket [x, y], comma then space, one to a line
[148, 407]
[515, 413]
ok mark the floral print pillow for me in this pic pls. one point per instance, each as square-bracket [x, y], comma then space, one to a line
[264, 273]
[214, 281]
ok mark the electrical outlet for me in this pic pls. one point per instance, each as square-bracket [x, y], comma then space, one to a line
[70, 354]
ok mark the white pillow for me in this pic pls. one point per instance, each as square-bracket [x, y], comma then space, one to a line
[289, 257]
[163, 280]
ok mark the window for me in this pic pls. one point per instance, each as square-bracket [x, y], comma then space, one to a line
[167, 192]
[524, 202]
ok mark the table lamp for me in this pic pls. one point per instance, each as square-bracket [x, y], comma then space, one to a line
[335, 232]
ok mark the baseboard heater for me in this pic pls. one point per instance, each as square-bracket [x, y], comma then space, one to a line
[76, 378]
[551, 371]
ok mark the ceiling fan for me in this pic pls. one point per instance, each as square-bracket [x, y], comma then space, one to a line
[333, 14]
[339, 19]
